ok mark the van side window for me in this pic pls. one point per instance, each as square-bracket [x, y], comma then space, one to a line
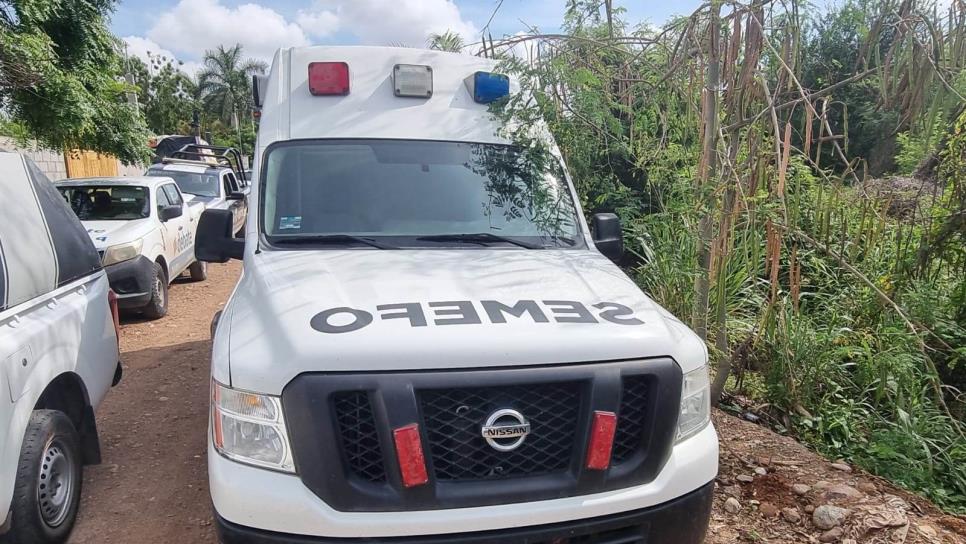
[162, 199]
[174, 197]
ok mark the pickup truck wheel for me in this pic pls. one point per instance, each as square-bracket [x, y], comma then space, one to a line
[158, 306]
[198, 271]
[48, 485]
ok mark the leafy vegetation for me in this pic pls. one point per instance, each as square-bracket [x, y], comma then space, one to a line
[743, 148]
[219, 96]
[60, 78]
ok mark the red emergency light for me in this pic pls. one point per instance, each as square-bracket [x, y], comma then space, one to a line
[601, 440]
[328, 78]
[409, 453]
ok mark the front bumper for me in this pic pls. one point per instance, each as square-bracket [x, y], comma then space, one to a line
[274, 502]
[132, 281]
[680, 521]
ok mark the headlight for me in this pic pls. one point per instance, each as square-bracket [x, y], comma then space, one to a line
[250, 428]
[695, 403]
[122, 252]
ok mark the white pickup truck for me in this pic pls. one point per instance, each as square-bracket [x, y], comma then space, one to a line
[215, 186]
[144, 230]
[58, 356]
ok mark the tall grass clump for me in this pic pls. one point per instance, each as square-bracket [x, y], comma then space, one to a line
[741, 147]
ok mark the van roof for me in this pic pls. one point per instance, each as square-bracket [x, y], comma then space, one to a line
[371, 110]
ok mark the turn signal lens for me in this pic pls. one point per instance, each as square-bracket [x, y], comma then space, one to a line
[328, 78]
[409, 452]
[601, 440]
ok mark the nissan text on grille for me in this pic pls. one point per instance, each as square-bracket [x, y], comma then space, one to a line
[429, 341]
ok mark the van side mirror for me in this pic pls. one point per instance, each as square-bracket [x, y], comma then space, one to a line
[235, 195]
[215, 241]
[608, 236]
[169, 212]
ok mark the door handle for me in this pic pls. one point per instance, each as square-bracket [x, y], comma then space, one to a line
[181, 227]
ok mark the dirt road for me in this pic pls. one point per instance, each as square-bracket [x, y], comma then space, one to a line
[152, 487]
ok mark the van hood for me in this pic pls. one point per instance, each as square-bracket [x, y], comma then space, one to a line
[108, 233]
[386, 310]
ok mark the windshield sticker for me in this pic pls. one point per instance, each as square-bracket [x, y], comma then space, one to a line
[464, 312]
[290, 222]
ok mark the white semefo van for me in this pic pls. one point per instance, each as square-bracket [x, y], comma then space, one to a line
[428, 344]
[58, 355]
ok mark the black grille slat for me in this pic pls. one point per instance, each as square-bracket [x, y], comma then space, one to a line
[630, 418]
[453, 419]
[360, 440]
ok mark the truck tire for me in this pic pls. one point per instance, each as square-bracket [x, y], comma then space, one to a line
[158, 306]
[198, 271]
[48, 486]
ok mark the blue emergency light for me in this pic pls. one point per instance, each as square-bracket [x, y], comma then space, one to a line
[487, 87]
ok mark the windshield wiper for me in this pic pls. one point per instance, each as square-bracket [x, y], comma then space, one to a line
[325, 239]
[478, 238]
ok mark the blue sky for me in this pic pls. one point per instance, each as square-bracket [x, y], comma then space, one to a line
[183, 29]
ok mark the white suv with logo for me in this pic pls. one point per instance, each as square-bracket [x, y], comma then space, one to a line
[428, 343]
[58, 356]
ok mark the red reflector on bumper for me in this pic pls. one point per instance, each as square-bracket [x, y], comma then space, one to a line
[409, 452]
[328, 78]
[601, 440]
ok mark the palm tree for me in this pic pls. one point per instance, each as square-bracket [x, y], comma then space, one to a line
[447, 41]
[224, 84]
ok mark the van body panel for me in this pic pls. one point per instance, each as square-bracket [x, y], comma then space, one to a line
[282, 291]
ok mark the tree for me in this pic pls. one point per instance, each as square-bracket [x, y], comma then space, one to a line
[224, 84]
[447, 41]
[60, 77]
[165, 93]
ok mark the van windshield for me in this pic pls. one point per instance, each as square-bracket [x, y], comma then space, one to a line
[107, 202]
[416, 194]
[192, 183]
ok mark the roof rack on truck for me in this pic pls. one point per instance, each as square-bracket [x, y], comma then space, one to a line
[203, 153]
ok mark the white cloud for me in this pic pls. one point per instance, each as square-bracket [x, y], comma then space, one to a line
[193, 26]
[189, 28]
[318, 23]
[145, 49]
[387, 22]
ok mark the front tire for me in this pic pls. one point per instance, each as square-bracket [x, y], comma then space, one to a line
[48, 486]
[158, 306]
[198, 271]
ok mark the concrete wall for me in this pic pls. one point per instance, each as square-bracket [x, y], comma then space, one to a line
[53, 164]
[50, 162]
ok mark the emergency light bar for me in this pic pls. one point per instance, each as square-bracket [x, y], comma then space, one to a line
[413, 80]
[408, 80]
[328, 78]
[487, 87]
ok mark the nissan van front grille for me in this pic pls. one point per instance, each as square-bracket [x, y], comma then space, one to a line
[453, 418]
[341, 427]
